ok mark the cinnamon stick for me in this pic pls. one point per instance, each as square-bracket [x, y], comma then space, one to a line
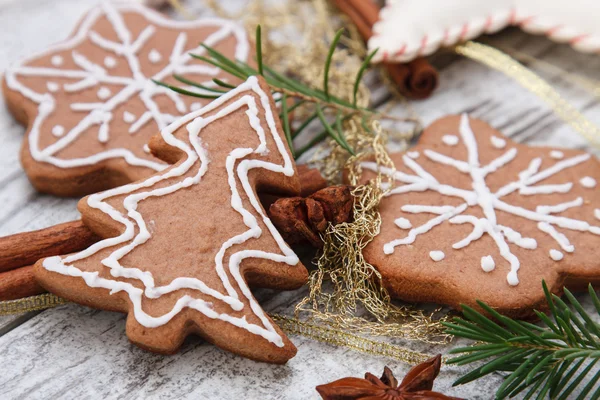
[28, 247]
[19, 283]
[416, 79]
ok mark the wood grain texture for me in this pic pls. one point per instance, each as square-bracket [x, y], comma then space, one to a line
[74, 352]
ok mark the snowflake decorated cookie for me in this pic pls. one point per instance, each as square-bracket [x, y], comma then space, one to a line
[182, 246]
[407, 29]
[90, 104]
[476, 216]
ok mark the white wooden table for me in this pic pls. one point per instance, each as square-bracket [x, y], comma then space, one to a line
[76, 352]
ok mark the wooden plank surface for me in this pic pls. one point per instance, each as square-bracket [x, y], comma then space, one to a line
[76, 352]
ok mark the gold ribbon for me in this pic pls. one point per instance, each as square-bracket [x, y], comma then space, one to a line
[33, 303]
[502, 62]
[289, 325]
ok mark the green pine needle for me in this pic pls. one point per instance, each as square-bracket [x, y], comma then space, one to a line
[286, 123]
[186, 92]
[332, 47]
[552, 359]
[259, 50]
[223, 84]
[360, 74]
[330, 111]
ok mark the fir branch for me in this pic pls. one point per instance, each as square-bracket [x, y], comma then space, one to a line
[548, 360]
[329, 110]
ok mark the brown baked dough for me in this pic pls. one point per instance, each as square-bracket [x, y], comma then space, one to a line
[182, 221]
[564, 222]
[90, 105]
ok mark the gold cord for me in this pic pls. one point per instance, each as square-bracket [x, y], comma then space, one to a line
[502, 62]
[33, 303]
[289, 325]
[583, 82]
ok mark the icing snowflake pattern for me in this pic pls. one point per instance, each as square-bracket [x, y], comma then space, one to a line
[88, 75]
[528, 183]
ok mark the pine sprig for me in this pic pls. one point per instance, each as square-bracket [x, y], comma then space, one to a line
[329, 110]
[551, 360]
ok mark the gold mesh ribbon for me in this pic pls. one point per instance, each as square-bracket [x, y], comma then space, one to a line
[33, 303]
[502, 62]
[338, 338]
[289, 325]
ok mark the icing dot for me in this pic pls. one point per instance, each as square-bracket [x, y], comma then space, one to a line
[57, 61]
[597, 213]
[128, 117]
[104, 93]
[557, 155]
[413, 154]
[147, 149]
[437, 255]
[402, 223]
[58, 130]
[195, 106]
[556, 255]
[588, 182]
[52, 86]
[154, 56]
[512, 278]
[487, 263]
[498, 142]
[110, 62]
[450, 140]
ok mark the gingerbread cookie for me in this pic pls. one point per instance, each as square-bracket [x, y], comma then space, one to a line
[90, 104]
[475, 216]
[182, 246]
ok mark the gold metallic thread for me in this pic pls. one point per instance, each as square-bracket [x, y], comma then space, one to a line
[33, 303]
[343, 282]
[289, 325]
[502, 62]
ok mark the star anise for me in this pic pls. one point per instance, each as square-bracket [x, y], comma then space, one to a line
[303, 219]
[416, 385]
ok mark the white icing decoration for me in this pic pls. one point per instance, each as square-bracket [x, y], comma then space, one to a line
[402, 223]
[104, 93]
[450, 140]
[154, 56]
[413, 154]
[128, 117]
[89, 74]
[498, 142]
[195, 106]
[58, 130]
[136, 230]
[437, 255]
[556, 255]
[588, 182]
[597, 213]
[110, 62]
[52, 86]
[147, 149]
[528, 183]
[57, 60]
[557, 155]
[487, 263]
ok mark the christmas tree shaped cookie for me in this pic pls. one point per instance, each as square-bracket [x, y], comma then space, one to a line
[90, 104]
[182, 246]
[475, 216]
